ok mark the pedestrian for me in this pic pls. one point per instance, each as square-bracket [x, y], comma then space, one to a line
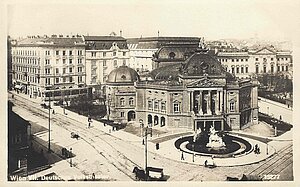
[143, 142]
[258, 150]
[280, 118]
[205, 163]
[53, 112]
[93, 176]
[182, 157]
[89, 125]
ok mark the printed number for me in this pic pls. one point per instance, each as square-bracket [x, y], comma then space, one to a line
[271, 177]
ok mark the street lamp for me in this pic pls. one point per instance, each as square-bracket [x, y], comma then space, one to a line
[71, 157]
[49, 108]
[141, 126]
[267, 146]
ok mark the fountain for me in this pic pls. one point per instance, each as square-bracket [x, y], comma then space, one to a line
[214, 141]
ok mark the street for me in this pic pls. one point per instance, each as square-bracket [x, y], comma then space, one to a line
[111, 155]
[276, 110]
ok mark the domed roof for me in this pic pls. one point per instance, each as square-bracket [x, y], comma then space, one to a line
[201, 63]
[123, 74]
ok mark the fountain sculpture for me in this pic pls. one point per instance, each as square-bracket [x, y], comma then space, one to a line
[214, 141]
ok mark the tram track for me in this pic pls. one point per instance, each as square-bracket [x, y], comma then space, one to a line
[112, 155]
[275, 164]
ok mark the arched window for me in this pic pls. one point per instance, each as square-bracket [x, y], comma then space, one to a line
[122, 102]
[131, 103]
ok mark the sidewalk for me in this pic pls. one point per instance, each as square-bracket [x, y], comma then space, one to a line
[167, 148]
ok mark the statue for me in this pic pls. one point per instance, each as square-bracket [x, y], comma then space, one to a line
[215, 141]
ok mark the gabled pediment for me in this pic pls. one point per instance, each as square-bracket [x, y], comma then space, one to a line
[264, 51]
[205, 82]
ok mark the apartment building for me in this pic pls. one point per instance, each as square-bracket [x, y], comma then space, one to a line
[42, 65]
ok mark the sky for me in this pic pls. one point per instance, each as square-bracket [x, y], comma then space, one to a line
[212, 19]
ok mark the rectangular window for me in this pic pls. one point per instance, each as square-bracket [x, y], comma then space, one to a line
[232, 60]
[79, 78]
[64, 70]
[114, 53]
[282, 68]
[64, 79]
[278, 68]
[232, 70]
[57, 80]
[70, 53]
[104, 62]
[47, 61]
[70, 70]
[237, 70]
[271, 59]
[286, 68]
[79, 61]
[231, 107]
[122, 114]
[156, 105]
[57, 53]
[256, 59]
[70, 79]
[124, 53]
[104, 53]
[70, 61]
[64, 61]
[79, 69]
[176, 107]
[237, 60]
[64, 53]
[242, 60]
[150, 105]
[242, 69]
[265, 69]
[57, 70]
[163, 106]
[93, 54]
[79, 53]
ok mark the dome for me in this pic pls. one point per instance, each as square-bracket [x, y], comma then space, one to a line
[123, 74]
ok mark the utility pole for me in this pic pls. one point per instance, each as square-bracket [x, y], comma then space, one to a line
[49, 150]
[146, 134]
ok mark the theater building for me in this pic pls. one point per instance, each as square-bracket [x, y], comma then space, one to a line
[192, 94]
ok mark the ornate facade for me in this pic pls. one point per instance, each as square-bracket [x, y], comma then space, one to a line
[196, 93]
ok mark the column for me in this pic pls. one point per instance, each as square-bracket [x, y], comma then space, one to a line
[222, 125]
[200, 102]
[209, 103]
[192, 101]
[221, 101]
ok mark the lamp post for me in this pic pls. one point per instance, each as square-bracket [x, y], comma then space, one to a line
[267, 146]
[146, 173]
[49, 108]
[71, 157]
